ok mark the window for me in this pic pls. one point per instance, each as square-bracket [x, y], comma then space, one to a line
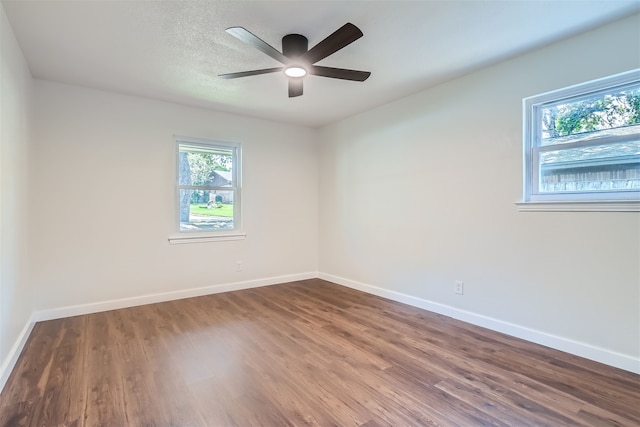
[208, 186]
[582, 143]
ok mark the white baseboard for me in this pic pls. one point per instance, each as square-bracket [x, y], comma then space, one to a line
[14, 353]
[618, 360]
[77, 310]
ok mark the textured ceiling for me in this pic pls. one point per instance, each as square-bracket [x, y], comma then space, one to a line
[174, 50]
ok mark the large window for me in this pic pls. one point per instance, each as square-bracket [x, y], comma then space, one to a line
[582, 143]
[208, 186]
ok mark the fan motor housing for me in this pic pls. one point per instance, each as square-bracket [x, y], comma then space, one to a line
[294, 45]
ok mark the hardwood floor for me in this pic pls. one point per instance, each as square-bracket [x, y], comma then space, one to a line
[301, 353]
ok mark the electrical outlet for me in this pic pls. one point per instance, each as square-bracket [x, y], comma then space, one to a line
[458, 287]
[239, 266]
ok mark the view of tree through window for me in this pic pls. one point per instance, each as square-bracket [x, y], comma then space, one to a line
[601, 112]
[207, 186]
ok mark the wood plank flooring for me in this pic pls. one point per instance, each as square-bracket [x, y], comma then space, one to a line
[302, 353]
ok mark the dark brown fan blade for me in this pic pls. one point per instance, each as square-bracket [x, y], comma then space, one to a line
[251, 39]
[342, 37]
[250, 73]
[295, 87]
[339, 73]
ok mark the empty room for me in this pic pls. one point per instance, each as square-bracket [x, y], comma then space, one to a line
[325, 213]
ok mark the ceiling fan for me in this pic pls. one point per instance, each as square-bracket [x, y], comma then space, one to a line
[298, 60]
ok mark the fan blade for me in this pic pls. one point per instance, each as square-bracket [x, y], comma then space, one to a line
[339, 73]
[295, 87]
[342, 37]
[250, 73]
[251, 39]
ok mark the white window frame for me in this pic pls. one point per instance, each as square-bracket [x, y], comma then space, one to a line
[533, 199]
[203, 236]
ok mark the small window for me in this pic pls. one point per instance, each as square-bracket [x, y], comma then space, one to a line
[208, 186]
[582, 143]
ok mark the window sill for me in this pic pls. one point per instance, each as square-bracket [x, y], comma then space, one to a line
[582, 206]
[184, 238]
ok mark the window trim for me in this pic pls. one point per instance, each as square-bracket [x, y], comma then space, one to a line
[203, 236]
[570, 201]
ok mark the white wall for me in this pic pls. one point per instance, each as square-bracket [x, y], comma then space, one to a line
[420, 193]
[104, 198]
[15, 123]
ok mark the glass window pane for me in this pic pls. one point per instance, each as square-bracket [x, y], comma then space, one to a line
[203, 166]
[606, 113]
[206, 210]
[610, 167]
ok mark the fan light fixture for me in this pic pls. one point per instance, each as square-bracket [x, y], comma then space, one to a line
[295, 71]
